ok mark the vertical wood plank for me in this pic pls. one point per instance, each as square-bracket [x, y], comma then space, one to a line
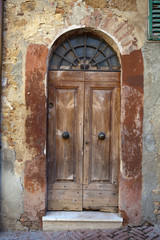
[51, 164]
[115, 129]
[87, 136]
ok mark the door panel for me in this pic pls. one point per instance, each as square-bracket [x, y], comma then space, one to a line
[66, 105]
[100, 123]
[103, 200]
[65, 200]
[65, 155]
[97, 120]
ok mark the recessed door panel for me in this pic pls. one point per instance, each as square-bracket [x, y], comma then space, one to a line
[66, 106]
[100, 128]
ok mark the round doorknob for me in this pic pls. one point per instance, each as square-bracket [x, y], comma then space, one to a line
[65, 135]
[101, 136]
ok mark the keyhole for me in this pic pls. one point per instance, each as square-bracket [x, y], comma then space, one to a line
[50, 105]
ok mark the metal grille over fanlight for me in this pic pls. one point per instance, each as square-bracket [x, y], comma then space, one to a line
[84, 52]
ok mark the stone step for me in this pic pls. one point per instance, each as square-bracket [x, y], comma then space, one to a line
[60, 220]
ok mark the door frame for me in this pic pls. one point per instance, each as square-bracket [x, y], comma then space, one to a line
[130, 179]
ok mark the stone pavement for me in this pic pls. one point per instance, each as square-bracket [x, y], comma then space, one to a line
[128, 233]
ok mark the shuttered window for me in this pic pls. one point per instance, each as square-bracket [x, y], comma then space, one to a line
[154, 20]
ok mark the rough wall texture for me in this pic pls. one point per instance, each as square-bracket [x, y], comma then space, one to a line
[121, 5]
[30, 28]
[151, 136]
[131, 141]
[35, 132]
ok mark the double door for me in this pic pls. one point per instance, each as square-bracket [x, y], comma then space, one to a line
[83, 140]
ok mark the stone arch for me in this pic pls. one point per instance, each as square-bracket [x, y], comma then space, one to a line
[93, 38]
[130, 180]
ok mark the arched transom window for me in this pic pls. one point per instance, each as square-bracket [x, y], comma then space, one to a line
[84, 52]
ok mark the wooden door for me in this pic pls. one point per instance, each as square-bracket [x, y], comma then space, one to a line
[101, 141]
[65, 156]
[83, 169]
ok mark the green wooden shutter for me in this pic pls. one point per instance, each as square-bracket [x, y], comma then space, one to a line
[154, 20]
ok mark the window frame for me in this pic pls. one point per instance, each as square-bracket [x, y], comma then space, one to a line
[151, 35]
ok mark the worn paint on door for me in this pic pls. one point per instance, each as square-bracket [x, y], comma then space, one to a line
[83, 168]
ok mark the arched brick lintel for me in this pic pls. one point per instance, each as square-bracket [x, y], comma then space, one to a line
[130, 180]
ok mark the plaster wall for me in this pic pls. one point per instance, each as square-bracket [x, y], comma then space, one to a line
[31, 26]
[151, 137]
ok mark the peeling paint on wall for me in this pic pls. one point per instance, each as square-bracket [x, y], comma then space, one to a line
[151, 149]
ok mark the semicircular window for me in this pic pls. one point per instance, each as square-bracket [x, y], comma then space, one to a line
[86, 53]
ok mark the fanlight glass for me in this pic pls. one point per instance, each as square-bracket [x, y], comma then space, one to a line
[86, 53]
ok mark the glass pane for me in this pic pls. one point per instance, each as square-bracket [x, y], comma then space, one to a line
[90, 52]
[61, 51]
[79, 51]
[54, 61]
[92, 41]
[115, 62]
[70, 56]
[99, 57]
[65, 63]
[79, 40]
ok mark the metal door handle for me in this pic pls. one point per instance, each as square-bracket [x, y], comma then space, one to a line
[101, 136]
[65, 135]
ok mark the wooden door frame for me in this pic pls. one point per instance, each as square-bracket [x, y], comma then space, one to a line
[130, 180]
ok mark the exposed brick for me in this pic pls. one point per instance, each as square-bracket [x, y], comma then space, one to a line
[119, 28]
[148, 229]
[96, 19]
[138, 232]
[120, 235]
[106, 22]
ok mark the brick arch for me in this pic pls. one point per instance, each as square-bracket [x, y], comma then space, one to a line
[120, 31]
[130, 180]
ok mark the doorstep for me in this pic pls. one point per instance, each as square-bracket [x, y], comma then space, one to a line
[63, 220]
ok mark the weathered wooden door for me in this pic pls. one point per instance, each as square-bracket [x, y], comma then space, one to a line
[101, 138]
[83, 140]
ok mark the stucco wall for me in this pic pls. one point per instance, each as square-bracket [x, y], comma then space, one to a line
[41, 22]
[151, 136]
